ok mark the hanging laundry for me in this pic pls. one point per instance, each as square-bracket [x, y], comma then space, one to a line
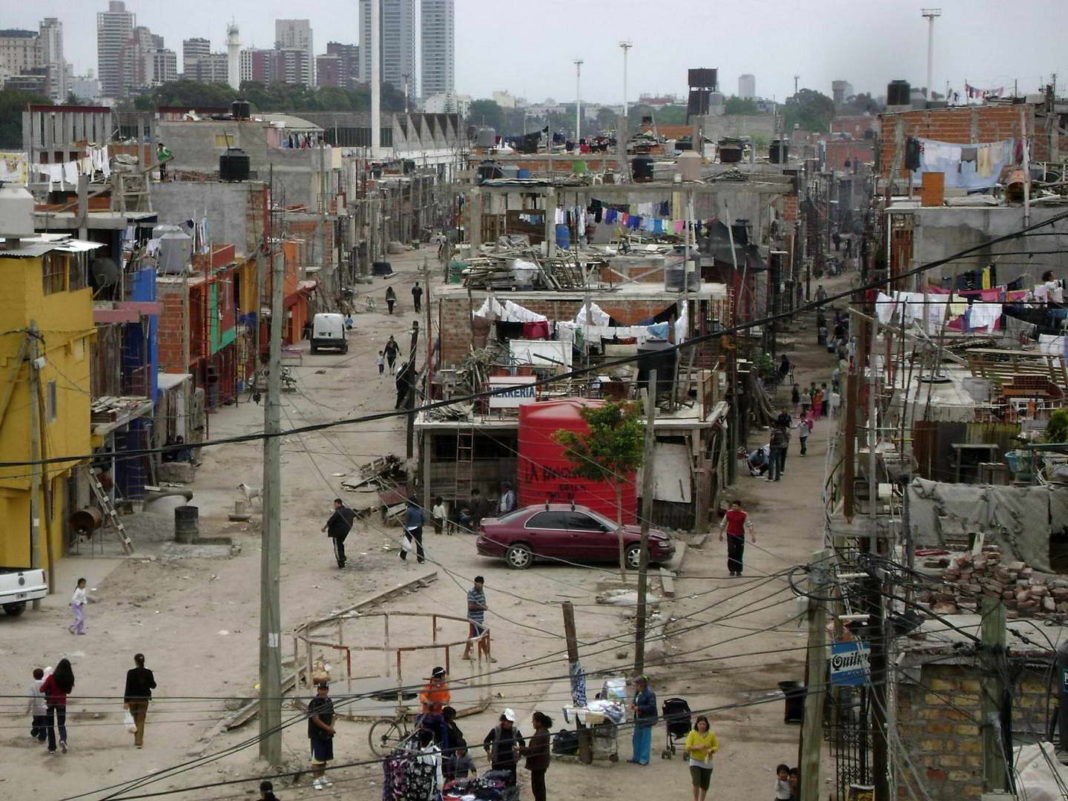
[610, 216]
[679, 226]
[538, 330]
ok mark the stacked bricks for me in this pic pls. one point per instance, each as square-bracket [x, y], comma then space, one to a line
[969, 577]
[939, 733]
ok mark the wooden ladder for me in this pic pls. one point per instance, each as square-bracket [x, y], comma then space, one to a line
[108, 508]
[465, 464]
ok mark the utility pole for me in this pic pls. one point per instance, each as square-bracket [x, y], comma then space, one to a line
[815, 672]
[995, 701]
[270, 612]
[648, 483]
[35, 454]
[578, 100]
[930, 14]
[796, 79]
[409, 392]
[584, 744]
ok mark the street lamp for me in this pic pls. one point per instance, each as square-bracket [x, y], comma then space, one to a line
[578, 100]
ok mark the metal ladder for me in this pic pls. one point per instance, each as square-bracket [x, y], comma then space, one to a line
[108, 508]
[465, 464]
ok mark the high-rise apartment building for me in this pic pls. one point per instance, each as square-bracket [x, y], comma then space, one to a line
[747, 86]
[296, 34]
[397, 43]
[51, 43]
[192, 51]
[113, 30]
[165, 65]
[20, 52]
[341, 65]
[438, 39]
[138, 60]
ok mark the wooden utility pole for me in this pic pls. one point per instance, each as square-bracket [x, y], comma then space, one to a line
[648, 484]
[994, 698]
[409, 393]
[584, 744]
[270, 609]
[35, 453]
[815, 677]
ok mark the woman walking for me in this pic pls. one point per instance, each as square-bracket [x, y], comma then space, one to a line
[701, 745]
[391, 298]
[538, 755]
[139, 686]
[56, 688]
[77, 607]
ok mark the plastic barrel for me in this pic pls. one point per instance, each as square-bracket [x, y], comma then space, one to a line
[523, 173]
[563, 236]
[186, 523]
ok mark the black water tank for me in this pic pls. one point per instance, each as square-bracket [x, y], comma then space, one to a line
[641, 169]
[898, 93]
[234, 165]
[779, 152]
[241, 110]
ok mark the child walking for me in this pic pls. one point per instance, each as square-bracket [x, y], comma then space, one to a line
[380, 360]
[782, 783]
[77, 607]
[803, 430]
[37, 708]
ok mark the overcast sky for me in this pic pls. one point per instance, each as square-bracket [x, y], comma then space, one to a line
[528, 46]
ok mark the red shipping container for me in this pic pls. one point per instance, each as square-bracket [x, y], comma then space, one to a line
[547, 476]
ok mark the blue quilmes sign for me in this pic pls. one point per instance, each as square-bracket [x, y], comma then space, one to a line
[849, 663]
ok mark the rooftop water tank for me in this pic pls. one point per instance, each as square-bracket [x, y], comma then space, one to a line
[642, 169]
[485, 137]
[688, 166]
[175, 249]
[16, 212]
[241, 109]
[234, 165]
[898, 93]
[779, 151]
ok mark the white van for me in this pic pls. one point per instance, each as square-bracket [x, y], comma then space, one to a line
[328, 331]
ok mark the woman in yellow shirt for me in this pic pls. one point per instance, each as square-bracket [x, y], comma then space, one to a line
[700, 746]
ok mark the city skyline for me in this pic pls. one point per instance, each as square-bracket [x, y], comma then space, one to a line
[817, 46]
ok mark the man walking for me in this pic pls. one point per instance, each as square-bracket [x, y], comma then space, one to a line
[417, 297]
[779, 442]
[506, 503]
[321, 734]
[338, 527]
[644, 709]
[735, 524]
[476, 618]
[139, 686]
[391, 350]
[413, 530]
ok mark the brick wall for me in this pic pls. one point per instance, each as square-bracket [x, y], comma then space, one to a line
[455, 317]
[172, 329]
[838, 153]
[959, 126]
[938, 728]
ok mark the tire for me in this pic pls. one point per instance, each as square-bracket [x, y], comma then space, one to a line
[15, 609]
[314, 348]
[633, 556]
[519, 556]
[385, 735]
[345, 348]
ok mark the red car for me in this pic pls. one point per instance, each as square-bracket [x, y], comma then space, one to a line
[566, 532]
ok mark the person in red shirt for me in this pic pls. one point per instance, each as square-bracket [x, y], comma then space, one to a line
[55, 690]
[735, 524]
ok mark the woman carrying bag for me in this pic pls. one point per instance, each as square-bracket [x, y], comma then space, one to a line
[701, 745]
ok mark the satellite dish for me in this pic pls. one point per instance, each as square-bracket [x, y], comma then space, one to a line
[105, 272]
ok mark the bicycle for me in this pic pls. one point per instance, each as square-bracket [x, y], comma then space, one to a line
[390, 733]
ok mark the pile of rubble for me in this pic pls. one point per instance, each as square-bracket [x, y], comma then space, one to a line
[968, 577]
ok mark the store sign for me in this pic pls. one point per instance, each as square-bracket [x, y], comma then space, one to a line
[849, 663]
[511, 390]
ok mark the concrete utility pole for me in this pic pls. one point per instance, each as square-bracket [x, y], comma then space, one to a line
[648, 484]
[995, 701]
[584, 744]
[578, 99]
[815, 672]
[35, 452]
[930, 14]
[270, 611]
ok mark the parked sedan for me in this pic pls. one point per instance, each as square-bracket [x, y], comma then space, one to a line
[564, 531]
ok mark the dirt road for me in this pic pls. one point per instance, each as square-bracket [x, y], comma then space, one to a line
[196, 620]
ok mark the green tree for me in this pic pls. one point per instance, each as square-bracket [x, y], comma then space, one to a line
[486, 112]
[12, 103]
[740, 105]
[609, 453]
[810, 110]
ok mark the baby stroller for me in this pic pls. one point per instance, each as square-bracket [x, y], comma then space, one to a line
[676, 713]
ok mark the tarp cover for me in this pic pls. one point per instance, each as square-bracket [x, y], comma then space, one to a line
[1019, 520]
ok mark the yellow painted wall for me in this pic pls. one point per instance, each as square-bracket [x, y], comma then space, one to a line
[249, 300]
[65, 322]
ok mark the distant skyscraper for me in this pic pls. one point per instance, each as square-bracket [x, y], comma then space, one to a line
[747, 86]
[51, 42]
[397, 43]
[165, 65]
[296, 34]
[192, 51]
[438, 47]
[138, 60]
[347, 65]
[113, 29]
